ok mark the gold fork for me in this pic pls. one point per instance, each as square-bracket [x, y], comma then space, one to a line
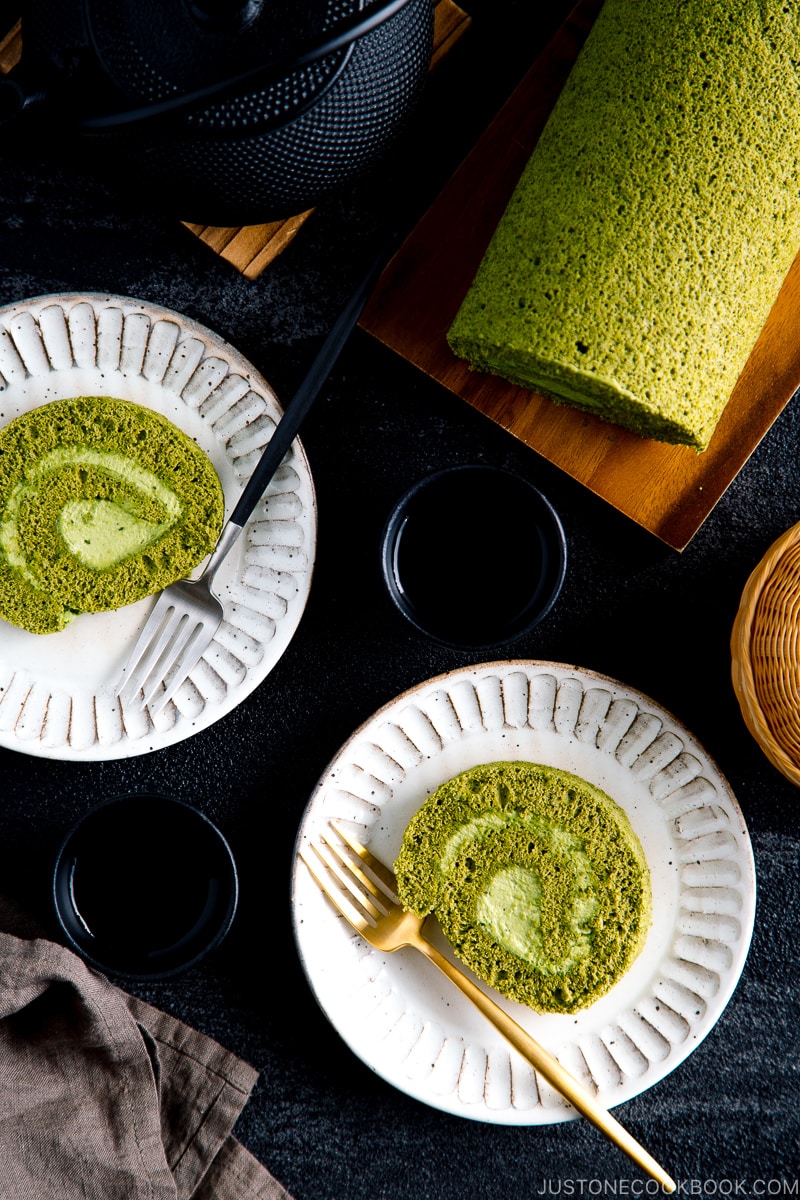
[364, 891]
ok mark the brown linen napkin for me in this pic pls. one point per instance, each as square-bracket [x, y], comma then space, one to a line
[103, 1097]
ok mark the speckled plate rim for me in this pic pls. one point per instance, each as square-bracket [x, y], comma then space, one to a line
[57, 691]
[405, 1021]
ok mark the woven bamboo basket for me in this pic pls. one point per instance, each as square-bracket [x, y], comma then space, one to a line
[765, 654]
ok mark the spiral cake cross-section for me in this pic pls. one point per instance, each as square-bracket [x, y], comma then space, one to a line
[102, 502]
[537, 878]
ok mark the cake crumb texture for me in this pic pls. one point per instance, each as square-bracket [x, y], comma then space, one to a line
[102, 502]
[652, 228]
[536, 877]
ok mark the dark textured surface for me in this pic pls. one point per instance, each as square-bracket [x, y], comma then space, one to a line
[726, 1121]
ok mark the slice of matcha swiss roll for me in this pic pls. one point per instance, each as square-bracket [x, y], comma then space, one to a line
[102, 502]
[536, 877]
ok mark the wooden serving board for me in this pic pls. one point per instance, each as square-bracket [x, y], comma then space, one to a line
[669, 490]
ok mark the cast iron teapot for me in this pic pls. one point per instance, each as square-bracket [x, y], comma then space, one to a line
[228, 112]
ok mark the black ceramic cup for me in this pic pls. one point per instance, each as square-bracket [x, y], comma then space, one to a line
[144, 886]
[474, 556]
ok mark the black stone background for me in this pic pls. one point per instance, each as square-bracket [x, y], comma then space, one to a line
[726, 1120]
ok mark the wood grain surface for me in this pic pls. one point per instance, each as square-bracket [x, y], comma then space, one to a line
[668, 490]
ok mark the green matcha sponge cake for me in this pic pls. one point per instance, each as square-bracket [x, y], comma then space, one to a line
[654, 224]
[102, 502]
[537, 880]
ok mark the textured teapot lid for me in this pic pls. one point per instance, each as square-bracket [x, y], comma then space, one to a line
[152, 48]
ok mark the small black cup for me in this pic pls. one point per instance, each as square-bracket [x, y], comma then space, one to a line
[474, 556]
[144, 886]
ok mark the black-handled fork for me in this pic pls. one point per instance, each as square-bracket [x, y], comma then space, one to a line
[187, 614]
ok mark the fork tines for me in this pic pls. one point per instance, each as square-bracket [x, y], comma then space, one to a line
[168, 648]
[381, 874]
[360, 886]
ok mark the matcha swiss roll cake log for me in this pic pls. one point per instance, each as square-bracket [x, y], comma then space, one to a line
[102, 502]
[652, 228]
[536, 877]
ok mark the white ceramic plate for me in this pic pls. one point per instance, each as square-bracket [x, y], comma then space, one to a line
[404, 1019]
[56, 690]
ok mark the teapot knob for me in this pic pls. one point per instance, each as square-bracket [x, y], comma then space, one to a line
[224, 14]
